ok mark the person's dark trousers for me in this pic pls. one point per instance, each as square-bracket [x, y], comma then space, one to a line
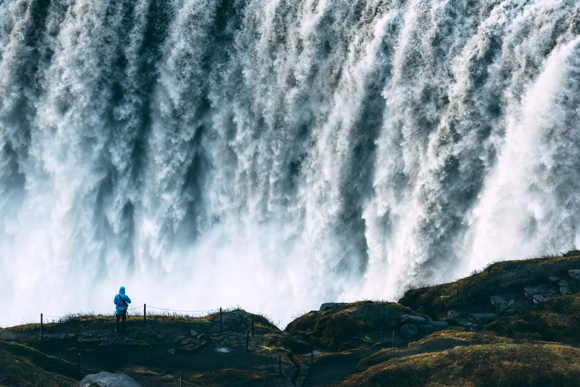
[119, 314]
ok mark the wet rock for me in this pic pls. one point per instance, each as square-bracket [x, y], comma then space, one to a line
[417, 320]
[107, 379]
[565, 291]
[331, 305]
[553, 279]
[171, 351]
[439, 325]
[563, 284]
[409, 330]
[178, 339]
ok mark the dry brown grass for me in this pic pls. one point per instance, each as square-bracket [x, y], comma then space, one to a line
[502, 365]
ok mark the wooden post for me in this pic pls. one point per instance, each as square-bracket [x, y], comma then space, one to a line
[221, 321]
[252, 325]
[393, 339]
[150, 356]
[41, 332]
[528, 277]
[264, 384]
[144, 314]
[79, 363]
[280, 364]
[496, 311]
[180, 378]
[247, 339]
[311, 354]
[381, 334]
[458, 291]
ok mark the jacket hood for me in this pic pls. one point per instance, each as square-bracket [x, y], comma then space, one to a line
[122, 290]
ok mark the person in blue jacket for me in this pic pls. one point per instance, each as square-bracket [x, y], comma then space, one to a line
[121, 301]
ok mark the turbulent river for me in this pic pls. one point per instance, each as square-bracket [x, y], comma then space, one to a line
[276, 154]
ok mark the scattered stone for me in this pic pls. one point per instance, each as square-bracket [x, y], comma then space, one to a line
[531, 291]
[160, 336]
[189, 348]
[452, 314]
[217, 338]
[63, 336]
[178, 339]
[574, 273]
[143, 344]
[304, 371]
[203, 337]
[171, 351]
[554, 279]
[465, 322]
[193, 333]
[418, 320]
[563, 284]
[510, 303]
[71, 349]
[71, 335]
[565, 291]
[331, 305]
[186, 341]
[409, 330]
[89, 350]
[106, 344]
[261, 368]
[439, 325]
[540, 298]
[133, 344]
[107, 379]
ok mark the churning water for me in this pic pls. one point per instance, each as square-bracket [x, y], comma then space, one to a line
[279, 153]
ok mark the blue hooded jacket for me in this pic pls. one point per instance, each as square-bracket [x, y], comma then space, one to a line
[119, 301]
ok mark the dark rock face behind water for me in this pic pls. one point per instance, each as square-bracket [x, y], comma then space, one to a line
[356, 146]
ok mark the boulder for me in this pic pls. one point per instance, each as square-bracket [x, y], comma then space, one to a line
[331, 305]
[107, 379]
[563, 284]
[439, 325]
[426, 329]
[537, 298]
[574, 273]
[453, 314]
[417, 320]
[531, 291]
[500, 302]
[178, 339]
[409, 330]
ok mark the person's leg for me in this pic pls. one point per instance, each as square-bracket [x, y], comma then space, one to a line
[124, 321]
[117, 322]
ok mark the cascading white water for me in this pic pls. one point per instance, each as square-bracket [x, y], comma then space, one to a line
[277, 154]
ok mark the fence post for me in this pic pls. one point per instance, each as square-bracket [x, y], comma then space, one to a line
[311, 354]
[144, 314]
[381, 334]
[180, 378]
[496, 311]
[252, 325]
[458, 291]
[79, 363]
[221, 321]
[247, 339]
[150, 356]
[280, 364]
[393, 339]
[41, 332]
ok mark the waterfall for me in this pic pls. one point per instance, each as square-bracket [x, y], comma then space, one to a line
[277, 154]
